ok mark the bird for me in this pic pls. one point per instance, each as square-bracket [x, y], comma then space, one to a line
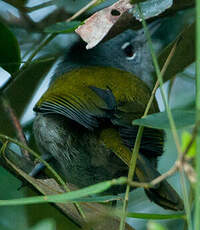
[84, 119]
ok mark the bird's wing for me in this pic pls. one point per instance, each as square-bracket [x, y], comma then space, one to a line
[87, 107]
[122, 113]
[90, 104]
[86, 95]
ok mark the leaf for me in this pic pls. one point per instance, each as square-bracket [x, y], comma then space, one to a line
[184, 54]
[10, 53]
[178, 5]
[101, 199]
[47, 224]
[182, 118]
[67, 197]
[155, 226]
[186, 138]
[101, 23]
[155, 216]
[151, 8]
[63, 27]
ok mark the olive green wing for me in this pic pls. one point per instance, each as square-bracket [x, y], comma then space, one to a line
[122, 113]
[87, 107]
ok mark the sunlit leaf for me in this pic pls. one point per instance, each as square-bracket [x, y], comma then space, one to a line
[186, 138]
[155, 226]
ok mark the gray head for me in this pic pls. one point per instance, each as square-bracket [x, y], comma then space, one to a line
[127, 51]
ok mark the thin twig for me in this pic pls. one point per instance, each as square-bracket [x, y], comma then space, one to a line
[180, 162]
[40, 6]
[190, 172]
[46, 40]
[31, 25]
[3, 148]
[19, 131]
[82, 10]
[169, 173]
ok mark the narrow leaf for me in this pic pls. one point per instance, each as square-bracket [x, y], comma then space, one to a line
[66, 197]
[152, 216]
[63, 27]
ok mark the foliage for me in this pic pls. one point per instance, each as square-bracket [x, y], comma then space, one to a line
[30, 46]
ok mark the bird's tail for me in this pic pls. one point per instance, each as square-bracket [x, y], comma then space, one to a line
[163, 194]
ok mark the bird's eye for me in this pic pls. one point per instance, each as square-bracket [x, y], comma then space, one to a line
[128, 50]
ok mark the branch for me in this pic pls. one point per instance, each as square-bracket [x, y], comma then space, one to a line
[16, 124]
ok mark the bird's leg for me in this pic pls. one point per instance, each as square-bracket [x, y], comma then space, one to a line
[40, 166]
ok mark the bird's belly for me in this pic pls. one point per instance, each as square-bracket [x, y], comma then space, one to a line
[81, 158]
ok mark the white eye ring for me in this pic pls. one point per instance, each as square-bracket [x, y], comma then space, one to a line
[131, 58]
[124, 46]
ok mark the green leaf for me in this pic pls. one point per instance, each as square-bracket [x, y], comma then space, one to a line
[69, 197]
[182, 118]
[155, 226]
[186, 138]
[155, 216]
[100, 199]
[10, 53]
[63, 27]
[184, 54]
[47, 224]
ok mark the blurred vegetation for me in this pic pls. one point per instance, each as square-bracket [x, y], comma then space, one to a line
[28, 56]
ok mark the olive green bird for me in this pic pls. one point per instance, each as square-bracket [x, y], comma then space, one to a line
[84, 119]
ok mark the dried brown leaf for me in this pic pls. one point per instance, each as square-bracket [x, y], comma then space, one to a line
[99, 24]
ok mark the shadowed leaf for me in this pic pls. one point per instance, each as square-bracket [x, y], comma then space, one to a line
[10, 52]
[183, 118]
[63, 27]
[184, 55]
